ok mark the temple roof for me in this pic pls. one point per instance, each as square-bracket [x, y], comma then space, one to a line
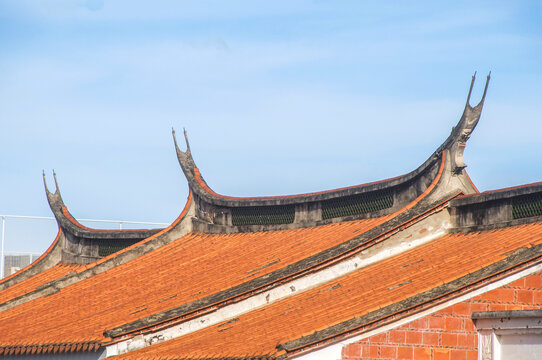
[292, 272]
[242, 263]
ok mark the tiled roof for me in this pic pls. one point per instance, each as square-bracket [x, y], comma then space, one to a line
[36, 281]
[159, 281]
[82, 311]
[355, 300]
[187, 273]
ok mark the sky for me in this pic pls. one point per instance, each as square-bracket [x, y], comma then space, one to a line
[278, 97]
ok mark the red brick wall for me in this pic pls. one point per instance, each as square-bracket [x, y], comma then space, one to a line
[448, 334]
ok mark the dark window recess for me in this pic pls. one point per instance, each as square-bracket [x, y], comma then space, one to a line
[109, 247]
[357, 204]
[263, 215]
[526, 206]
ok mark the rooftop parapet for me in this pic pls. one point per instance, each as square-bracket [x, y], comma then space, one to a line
[499, 208]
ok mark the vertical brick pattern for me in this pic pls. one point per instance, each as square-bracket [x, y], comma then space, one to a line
[448, 334]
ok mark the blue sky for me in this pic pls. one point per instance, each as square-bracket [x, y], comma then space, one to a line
[278, 97]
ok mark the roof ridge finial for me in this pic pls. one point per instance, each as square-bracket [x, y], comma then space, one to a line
[470, 89]
[56, 183]
[485, 90]
[186, 139]
[174, 139]
[462, 132]
[57, 188]
[47, 192]
[54, 199]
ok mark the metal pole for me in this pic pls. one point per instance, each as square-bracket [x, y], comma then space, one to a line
[91, 220]
[2, 262]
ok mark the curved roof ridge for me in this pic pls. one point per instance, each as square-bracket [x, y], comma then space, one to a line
[202, 182]
[69, 224]
[200, 186]
[455, 143]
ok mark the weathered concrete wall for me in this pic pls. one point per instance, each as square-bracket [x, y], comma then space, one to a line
[449, 333]
[495, 209]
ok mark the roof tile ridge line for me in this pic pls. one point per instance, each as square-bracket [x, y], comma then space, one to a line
[88, 270]
[503, 269]
[33, 263]
[207, 308]
[64, 217]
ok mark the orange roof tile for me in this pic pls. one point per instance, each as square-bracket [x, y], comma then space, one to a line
[214, 262]
[369, 289]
